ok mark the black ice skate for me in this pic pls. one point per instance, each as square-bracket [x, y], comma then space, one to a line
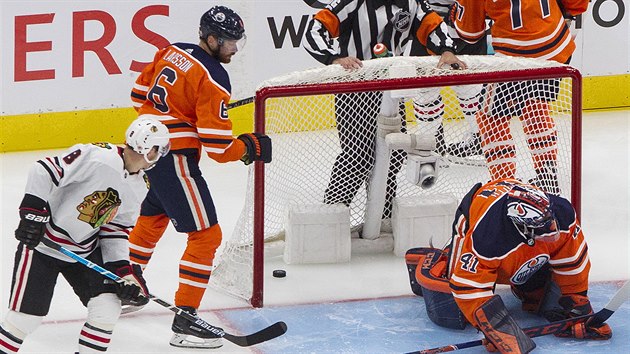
[186, 334]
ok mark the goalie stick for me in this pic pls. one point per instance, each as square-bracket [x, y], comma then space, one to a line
[275, 330]
[596, 318]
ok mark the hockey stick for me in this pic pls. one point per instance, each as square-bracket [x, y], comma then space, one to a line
[275, 330]
[239, 103]
[596, 318]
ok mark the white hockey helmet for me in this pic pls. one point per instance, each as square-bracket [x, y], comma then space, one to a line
[144, 134]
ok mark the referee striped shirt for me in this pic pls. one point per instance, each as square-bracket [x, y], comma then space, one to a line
[352, 28]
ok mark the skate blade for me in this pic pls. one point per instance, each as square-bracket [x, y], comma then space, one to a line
[130, 309]
[192, 342]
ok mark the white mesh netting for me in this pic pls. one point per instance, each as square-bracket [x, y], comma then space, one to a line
[323, 143]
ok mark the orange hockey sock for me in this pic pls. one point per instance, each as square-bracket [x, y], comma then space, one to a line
[195, 266]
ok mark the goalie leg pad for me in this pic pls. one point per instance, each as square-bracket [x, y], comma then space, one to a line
[438, 299]
[412, 258]
[501, 329]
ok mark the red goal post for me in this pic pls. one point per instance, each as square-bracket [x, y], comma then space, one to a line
[307, 98]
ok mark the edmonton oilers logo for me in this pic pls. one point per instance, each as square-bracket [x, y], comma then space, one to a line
[524, 211]
[401, 21]
[528, 268]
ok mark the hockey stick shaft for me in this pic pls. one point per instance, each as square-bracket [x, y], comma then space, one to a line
[239, 103]
[554, 327]
[271, 332]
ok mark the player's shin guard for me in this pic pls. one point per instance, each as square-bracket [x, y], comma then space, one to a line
[428, 112]
[103, 313]
[498, 145]
[196, 265]
[94, 339]
[9, 342]
[144, 237]
[194, 274]
[470, 145]
[542, 138]
[15, 328]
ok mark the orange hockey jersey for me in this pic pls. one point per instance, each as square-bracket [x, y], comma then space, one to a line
[188, 90]
[521, 28]
[487, 249]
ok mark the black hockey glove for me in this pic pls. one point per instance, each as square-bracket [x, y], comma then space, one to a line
[32, 226]
[134, 290]
[258, 148]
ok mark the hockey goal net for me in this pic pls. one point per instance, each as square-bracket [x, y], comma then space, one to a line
[502, 117]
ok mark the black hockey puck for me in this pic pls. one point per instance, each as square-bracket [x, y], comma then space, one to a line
[279, 273]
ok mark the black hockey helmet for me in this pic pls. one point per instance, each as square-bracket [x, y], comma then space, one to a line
[221, 22]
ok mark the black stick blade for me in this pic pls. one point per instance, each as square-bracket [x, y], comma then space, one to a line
[275, 330]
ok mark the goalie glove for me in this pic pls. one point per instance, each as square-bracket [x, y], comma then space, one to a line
[134, 290]
[33, 220]
[575, 305]
[257, 148]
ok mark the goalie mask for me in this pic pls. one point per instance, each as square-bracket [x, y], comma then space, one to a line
[224, 24]
[144, 134]
[529, 209]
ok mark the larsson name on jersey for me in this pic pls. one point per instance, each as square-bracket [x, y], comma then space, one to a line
[178, 60]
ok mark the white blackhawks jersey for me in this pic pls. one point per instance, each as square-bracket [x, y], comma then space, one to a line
[93, 200]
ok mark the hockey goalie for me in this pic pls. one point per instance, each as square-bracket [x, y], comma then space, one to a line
[511, 233]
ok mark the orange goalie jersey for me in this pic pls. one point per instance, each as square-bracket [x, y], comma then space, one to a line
[522, 28]
[188, 90]
[487, 248]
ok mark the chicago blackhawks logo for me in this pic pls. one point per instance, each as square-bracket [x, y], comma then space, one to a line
[99, 207]
[528, 268]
